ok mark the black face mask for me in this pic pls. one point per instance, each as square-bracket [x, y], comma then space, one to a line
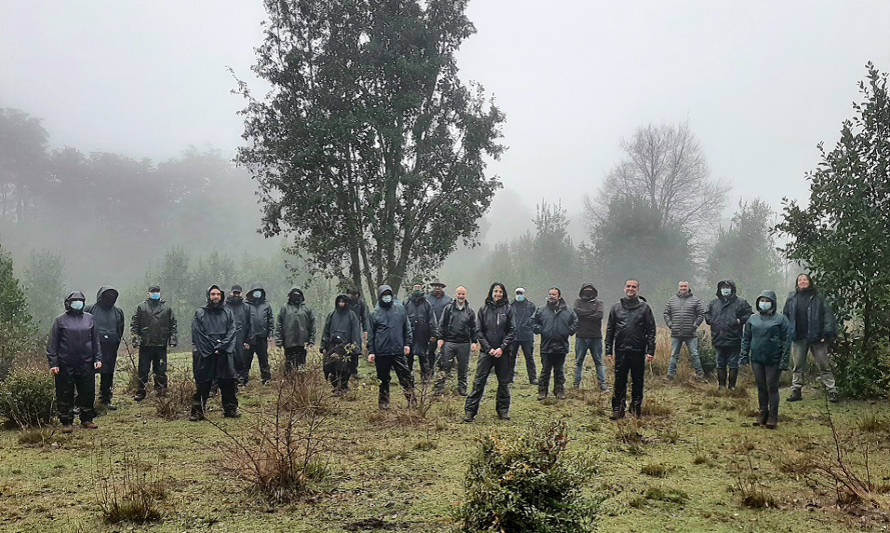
[295, 298]
[587, 293]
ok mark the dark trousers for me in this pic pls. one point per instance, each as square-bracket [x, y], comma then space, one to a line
[633, 363]
[106, 373]
[385, 364]
[294, 358]
[260, 347]
[152, 358]
[555, 362]
[454, 352]
[226, 389]
[767, 378]
[426, 358]
[528, 350]
[83, 380]
[504, 373]
[727, 356]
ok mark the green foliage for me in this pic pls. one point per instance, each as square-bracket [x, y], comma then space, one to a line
[27, 396]
[17, 335]
[378, 169]
[841, 235]
[526, 484]
[44, 286]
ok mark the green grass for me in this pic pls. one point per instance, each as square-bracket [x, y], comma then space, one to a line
[673, 471]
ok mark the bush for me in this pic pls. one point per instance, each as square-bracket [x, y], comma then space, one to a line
[860, 374]
[178, 400]
[27, 397]
[525, 484]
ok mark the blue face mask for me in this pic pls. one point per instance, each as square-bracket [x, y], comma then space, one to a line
[726, 291]
[764, 305]
[154, 295]
[77, 305]
[257, 294]
[520, 297]
[387, 298]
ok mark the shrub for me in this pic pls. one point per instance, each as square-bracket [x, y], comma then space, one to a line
[128, 490]
[27, 396]
[526, 484]
[860, 374]
[180, 392]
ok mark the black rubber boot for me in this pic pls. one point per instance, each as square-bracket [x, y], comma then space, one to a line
[796, 396]
[733, 377]
[721, 378]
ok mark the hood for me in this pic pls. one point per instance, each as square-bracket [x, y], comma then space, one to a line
[560, 304]
[728, 282]
[383, 288]
[342, 298]
[627, 304]
[256, 287]
[207, 295]
[110, 291]
[588, 286]
[489, 300]
[75, 295]
[771, 296]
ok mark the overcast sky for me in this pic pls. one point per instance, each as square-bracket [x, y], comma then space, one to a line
[760, 83]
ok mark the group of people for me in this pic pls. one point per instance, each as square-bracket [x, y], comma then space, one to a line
[441, 333]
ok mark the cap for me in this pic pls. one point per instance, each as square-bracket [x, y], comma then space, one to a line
[520, 290]
[438, 284]
[154, 288]
[236, 288]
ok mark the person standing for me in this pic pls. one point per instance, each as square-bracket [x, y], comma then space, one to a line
[154, 329]
[683, 314]
[261, 328]
[766, 339]
[241, 315]
[630, 336]
[357, 306]
[389, 343]
[438, 302]
[110, 326]
[74, 354]
[423, 328]
[496, 338]
[727, 314]
[341, 337]
[457, 336]
[813, 327]
[296, 330]
[213, 341]
[524, 335]
[555, 322]
[589, 337]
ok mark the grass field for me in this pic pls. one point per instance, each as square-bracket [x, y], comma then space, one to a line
[394, 472]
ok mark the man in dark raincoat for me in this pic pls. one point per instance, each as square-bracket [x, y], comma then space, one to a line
[154, 329]
[262, 325]
[213, 340]
[110, 326]
[341, 338]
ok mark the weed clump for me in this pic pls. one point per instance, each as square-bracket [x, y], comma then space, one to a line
[666, 494]
[129, 490]
[655, 470]
[178, 399]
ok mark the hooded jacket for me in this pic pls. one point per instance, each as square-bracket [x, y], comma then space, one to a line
[73, 340]
[390, 329]
[423, 322]
[496, 322]
[262, 323]
[109, 319]
[241, 314]
[820, 322]
[458, 326]
[154, 324]
[727, 316]
[631, 327]
[590, 314]
[683, 315]
[438, 305]
[296, 322]
[342, 323]
[767, 336]
[213, 329]
[358, 307]
[523, 313]
[555, 324]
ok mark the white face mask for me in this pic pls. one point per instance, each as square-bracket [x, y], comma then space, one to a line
[726, 291]
[77, 305]
[387, 298]
[764, 305]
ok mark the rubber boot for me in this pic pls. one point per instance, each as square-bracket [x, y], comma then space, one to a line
[721, 378]
[796, 396]
[733, 377]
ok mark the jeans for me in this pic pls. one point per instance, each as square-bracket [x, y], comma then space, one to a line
[154, 358]
[67, 380]
[595, 347]
[294, 358]
[767, 378]
[260, 347]
[799, 350]
[504, 373]
[528, 350]
[692, 345]
[557, 363]
[454, 352]
[727, 356]
[399, 363]
[633, 363]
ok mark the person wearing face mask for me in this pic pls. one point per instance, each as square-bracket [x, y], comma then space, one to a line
[683, 314]
[523, 335]
[341, 338]
[496, 337]
[630, 336]
[296, 330]
[589, 337]
[241, 314]
[813, 327]
[727, 314]
[213, 341]
[389, 343]
[154, 329]
[110, 325]
[261, 327]
[74, 354]
[423, 329]
[457, 337]
[555, 322]
[766, 339]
